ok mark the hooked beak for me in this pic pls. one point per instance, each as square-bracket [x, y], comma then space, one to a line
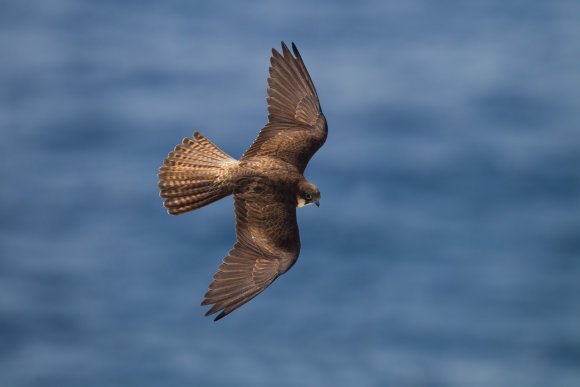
[317, 202]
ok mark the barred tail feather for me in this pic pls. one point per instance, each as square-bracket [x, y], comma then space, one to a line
[196, 173]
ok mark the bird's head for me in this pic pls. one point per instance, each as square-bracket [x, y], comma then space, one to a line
[308, 193]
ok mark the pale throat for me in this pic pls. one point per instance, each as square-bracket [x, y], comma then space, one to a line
[301, 202]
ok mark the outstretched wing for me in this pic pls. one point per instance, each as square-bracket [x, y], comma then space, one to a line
[296, 127]
[267, 246]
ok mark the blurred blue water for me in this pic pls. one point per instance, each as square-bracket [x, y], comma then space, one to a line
[446, 250]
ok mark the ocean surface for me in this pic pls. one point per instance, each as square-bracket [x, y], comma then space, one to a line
[445, 252]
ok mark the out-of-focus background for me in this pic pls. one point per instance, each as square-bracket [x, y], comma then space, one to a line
[446, 251]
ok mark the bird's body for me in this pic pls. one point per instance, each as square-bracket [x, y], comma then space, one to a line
[267, 183]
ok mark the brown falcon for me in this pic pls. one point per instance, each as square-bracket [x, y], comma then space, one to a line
[267, 183]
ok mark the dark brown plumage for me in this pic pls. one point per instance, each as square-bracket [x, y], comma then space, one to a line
[267, 184]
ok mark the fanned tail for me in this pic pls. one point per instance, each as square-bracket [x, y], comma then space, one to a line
[196, 173]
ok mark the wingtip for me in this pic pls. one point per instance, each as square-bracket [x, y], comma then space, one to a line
[285, 49]
[211, 311]
[295, 50]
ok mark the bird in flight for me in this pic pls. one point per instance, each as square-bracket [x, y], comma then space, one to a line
[267, 183]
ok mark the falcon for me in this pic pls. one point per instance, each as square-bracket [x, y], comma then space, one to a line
[267, 183]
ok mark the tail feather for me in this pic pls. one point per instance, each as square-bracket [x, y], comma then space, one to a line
[194, 174]
[200, 174]
[168, 184]
[177, 193]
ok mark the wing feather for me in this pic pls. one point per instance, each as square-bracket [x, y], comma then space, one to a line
[268, 244]
[296, 126]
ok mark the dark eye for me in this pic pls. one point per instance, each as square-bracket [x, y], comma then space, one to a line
[308, 197]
